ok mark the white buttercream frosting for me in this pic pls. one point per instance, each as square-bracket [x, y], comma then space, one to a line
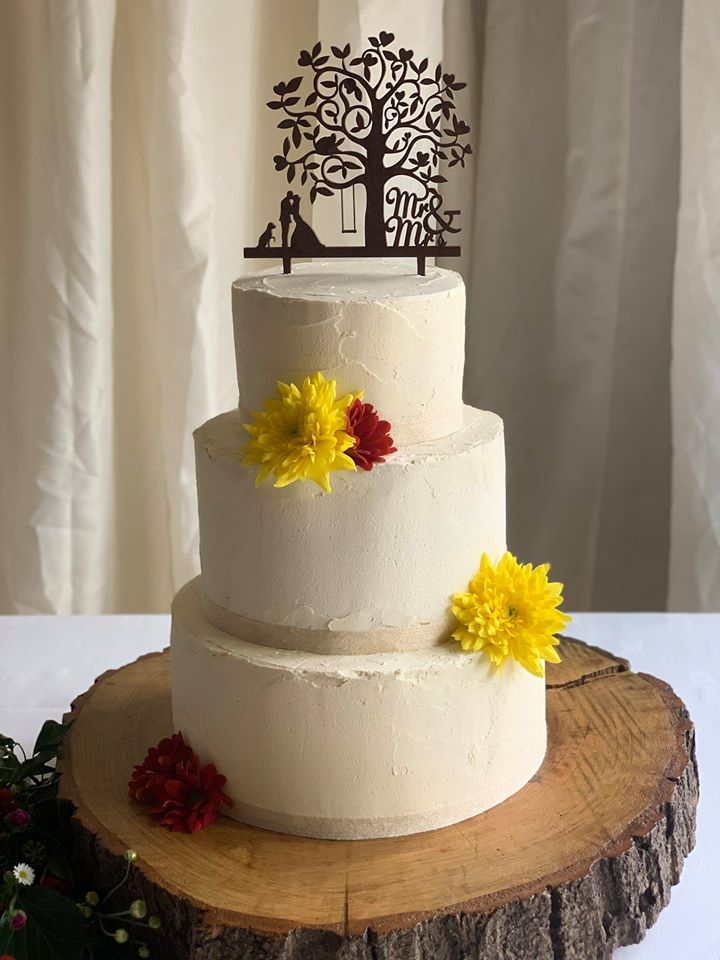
[353, 746]
[311, 660]
[383, 552]
[376, 326]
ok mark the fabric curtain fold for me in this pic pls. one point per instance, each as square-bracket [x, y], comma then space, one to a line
[695, 554]
[136, 162]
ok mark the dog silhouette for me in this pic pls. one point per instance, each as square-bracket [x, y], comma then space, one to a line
[266, 237]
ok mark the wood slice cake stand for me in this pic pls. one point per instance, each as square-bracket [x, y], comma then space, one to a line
[577, 863]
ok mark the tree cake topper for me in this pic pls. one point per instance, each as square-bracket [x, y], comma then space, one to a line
[372, 129]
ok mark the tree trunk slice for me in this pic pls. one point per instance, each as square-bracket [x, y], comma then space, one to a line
[577, 863]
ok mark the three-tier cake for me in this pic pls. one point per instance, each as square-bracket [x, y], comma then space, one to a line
[311, 660]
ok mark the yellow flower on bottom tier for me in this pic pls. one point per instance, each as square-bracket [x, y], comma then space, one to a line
[510, 610]
[301, 434]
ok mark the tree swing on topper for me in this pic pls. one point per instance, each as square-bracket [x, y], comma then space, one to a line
[379, 121]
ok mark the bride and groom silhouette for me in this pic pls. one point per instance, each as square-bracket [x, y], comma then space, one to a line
[304, 238]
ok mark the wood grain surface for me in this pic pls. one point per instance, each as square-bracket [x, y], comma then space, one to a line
[578, 862]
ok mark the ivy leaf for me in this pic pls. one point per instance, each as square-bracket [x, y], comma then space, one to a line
[9, 939]
[310, 99]
[296, 137]
[292, 85]
[286, 124]
[54, 929]
[274, 104]
[291, 173]
[8, 767]
[291, 101]
[286, 147]
[35, 766]
[321, 61]
[51, 735]
[325, 191]
[316, 49]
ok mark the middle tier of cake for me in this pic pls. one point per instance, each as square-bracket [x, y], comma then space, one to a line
[369, 567]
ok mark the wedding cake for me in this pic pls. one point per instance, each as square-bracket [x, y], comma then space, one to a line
[312, 660]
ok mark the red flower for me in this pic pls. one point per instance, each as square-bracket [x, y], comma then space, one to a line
[7, 803]
[51, 882]
[182, 794]
[372, 435]
[159, 764]
[191, 799]
[18, 818]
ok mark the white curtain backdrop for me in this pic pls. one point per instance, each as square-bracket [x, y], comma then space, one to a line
[695, 554]
[135, 164]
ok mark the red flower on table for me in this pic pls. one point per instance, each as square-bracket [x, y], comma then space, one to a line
[181, 793]
[8, 803]
[191, 799]
[372, 435]
[51, 882]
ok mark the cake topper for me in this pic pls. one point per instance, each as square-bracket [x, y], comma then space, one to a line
[377, 121]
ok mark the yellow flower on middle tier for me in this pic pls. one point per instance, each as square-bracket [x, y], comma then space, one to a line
[301, 434]
[510, 610]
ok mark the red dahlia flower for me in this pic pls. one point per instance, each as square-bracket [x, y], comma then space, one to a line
[159, 764]
[7, 801]
[191, 799]
[372, 435]
[51, 882]
[181, 793]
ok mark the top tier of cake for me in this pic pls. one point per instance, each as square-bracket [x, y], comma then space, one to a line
[381, 328]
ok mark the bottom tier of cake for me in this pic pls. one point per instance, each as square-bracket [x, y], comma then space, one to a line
[353, 747]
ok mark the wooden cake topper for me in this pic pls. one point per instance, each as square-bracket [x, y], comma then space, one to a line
[379, 121]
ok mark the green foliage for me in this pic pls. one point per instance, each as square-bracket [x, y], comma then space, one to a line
[54, 930]
[57, 926]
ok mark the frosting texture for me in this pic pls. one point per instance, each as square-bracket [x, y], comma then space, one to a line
[353, 747]
[374, 326]
[382, 553]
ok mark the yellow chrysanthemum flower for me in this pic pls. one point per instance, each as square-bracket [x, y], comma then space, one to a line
[510, 610]
[301, 434]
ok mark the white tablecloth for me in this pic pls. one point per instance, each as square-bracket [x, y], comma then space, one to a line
[46, 661]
